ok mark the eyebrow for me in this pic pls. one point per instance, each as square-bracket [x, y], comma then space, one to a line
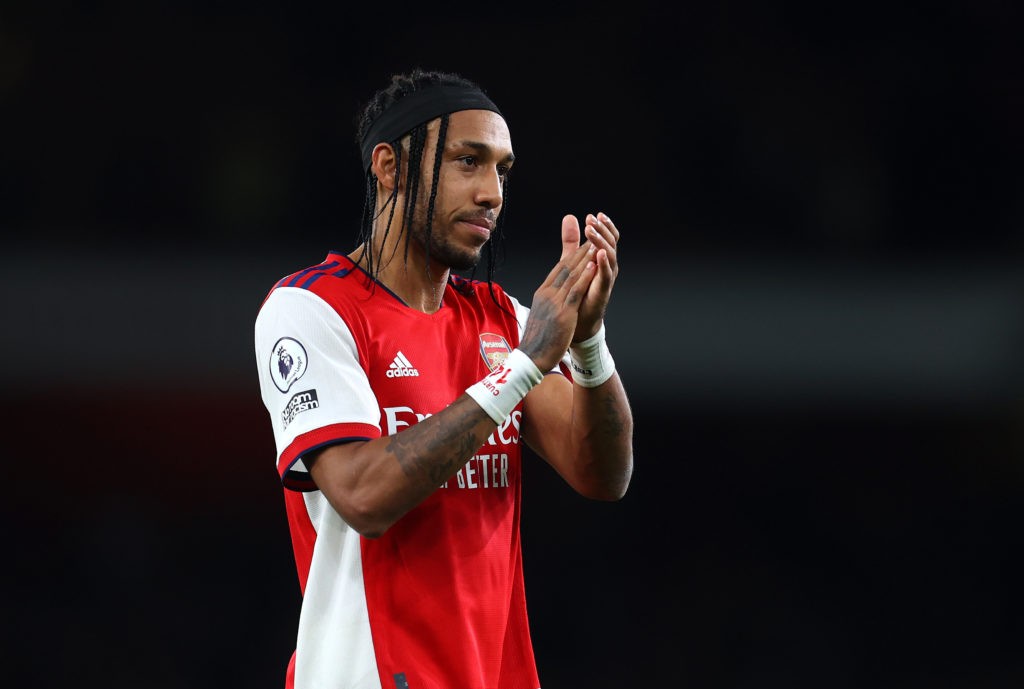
[484, 148]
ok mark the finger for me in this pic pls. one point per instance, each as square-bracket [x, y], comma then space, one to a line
[603, 217]
[600, 235]
[581, 284]
[606, 230]
[558, 274]
[605, 278]
[567, 270]
[577, 262]
[570, 235]
[601, 238]
[580, 254]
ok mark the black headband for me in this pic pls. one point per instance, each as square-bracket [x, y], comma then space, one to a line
[419, 107]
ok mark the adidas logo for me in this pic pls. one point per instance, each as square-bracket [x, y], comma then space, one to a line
[401, 368]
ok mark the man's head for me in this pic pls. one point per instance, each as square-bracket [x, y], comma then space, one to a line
[436, 153]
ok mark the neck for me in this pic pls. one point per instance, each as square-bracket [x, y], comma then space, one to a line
[407, 277]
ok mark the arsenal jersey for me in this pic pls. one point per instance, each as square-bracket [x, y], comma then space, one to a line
[437, 602]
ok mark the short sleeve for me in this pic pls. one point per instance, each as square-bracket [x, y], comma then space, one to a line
[311, 380]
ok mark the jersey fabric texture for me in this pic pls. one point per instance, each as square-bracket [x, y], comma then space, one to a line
[437, 602]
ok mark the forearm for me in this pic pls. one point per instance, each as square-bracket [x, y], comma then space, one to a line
[373, 484]
[601, 439]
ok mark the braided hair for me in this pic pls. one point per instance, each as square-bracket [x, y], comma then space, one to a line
[400, 86]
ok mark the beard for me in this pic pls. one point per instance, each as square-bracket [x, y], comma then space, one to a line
[441, 248]
[446, 253]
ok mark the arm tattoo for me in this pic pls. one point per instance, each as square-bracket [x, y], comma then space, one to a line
[612, 423]
[435, 452]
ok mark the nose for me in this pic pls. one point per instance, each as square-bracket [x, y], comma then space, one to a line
[489, 192]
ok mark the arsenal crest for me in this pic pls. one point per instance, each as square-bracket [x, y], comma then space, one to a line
[494, 349]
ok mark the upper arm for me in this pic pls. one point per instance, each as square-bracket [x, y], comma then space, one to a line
[311, 380]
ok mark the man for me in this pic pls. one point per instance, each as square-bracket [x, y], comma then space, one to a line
[399, 394]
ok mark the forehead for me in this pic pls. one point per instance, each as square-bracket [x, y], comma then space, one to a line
[479, 126]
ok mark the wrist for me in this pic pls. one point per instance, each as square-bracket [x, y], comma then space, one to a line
[592, 363]
[579, 337]
[500, 391]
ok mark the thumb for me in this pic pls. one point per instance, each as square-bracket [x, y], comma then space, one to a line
[570, 235]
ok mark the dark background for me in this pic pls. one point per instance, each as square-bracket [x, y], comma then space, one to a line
[819, 319]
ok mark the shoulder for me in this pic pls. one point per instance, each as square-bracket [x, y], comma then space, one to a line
[327, 300]
[334, 280]
[327, 274]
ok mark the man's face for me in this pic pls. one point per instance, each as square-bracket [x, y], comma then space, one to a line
[477, 155]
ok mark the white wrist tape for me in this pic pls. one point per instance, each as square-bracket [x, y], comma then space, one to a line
[501, 390]
[592, 363]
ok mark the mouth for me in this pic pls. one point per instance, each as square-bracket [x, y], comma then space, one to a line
[479, 226]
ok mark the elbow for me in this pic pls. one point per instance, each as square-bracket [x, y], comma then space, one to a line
[611, 494]
[364, 517]
[368, 525]
[342, 473]
[610, 487]
[371, 533]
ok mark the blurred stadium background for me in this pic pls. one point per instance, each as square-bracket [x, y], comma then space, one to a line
[820, 320]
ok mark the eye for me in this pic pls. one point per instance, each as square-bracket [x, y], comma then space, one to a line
[468, 161]
[503, 170]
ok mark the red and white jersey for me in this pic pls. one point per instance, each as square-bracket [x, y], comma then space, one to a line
[437, 602]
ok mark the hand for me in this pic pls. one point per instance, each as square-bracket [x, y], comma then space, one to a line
[602, 234]
[555, 308]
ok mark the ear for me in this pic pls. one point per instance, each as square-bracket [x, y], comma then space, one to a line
[383, 165]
